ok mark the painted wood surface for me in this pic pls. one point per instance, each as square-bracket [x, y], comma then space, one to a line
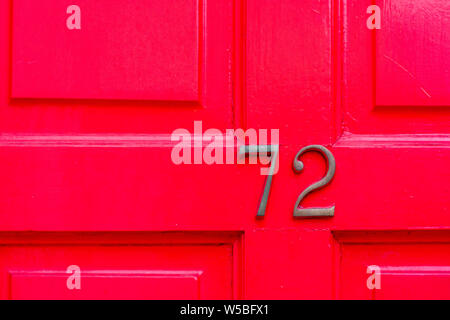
[85, 149]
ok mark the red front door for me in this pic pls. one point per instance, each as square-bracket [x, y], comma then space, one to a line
[92, 204]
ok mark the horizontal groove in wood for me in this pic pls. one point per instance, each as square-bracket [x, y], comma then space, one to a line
[349, 140]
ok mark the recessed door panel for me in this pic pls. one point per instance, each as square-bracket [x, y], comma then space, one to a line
[397, 78]
[393, 265]
[105, 285]
[118, 266]
[144, 50]
[130, 67]
[412, 50]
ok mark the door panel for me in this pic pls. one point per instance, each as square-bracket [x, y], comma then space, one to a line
[393, 149]
[105, 285]
[123, 50]
[396, 78]
[393, 143]
[411, 264]
[129, 69]
[120, 265]
[412, 50]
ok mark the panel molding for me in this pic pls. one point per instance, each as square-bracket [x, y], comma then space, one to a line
[232, 239]
[415, 270]
[120, 237]
[104, 140]
[418, 235]
[349, 140]
[122, 273]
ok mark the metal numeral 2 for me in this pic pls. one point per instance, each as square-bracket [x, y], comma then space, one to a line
[298, 167]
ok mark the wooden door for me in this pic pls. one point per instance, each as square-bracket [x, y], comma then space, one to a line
[91, 92]
[395, 146]
[378, 99]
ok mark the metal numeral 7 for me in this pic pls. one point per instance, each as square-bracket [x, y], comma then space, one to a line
[264, 149]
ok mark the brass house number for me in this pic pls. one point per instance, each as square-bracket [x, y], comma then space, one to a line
[297, 166]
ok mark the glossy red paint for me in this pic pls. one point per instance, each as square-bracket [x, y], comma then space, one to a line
[124, 56]
[87, 179]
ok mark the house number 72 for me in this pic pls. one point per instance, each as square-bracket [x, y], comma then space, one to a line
[297, 165]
